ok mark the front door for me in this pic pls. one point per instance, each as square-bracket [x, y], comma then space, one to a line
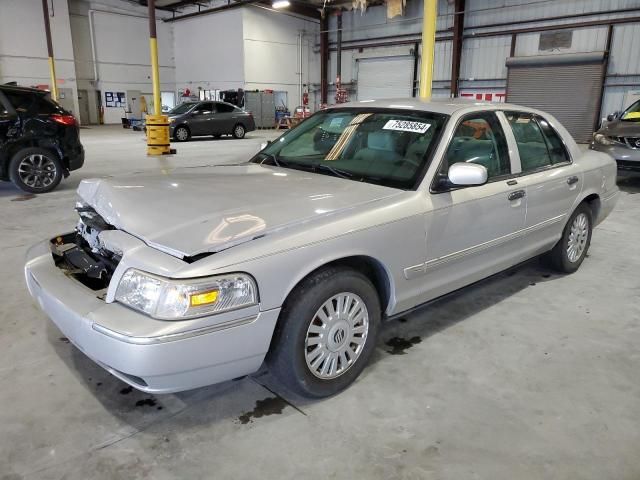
[472, 232]
[83, 104]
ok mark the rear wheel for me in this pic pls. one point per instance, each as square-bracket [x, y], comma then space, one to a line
[571, 250]
[326, 332]
[239, 131]
[36, 170]
[182, 134]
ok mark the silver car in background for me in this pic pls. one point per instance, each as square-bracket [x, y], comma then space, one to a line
[620, 138]
[362, 212]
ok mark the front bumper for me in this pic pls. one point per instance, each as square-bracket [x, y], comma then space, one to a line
[167, 357]
[627, 158]
[75, 158]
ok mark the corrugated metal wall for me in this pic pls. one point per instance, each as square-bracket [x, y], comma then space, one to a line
[483, 58]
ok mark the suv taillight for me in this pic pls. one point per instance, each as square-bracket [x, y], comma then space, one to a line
[63, 119]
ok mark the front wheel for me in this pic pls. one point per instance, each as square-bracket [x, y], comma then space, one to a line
[182, 134]
[571, 250]
[326, 332]
[239, 131]
[35, 170]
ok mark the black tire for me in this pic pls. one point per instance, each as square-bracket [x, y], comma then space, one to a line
[47, 170]
[559, 258]
[287, 355]
[239, 131]
[181, 134]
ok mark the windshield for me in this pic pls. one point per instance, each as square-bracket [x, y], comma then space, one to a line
[182, 108]
[632, 113]
[391, 148]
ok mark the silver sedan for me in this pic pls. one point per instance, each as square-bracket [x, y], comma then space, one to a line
[362, 212]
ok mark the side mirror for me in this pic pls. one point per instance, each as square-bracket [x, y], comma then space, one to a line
[612, 116]
[465, 174]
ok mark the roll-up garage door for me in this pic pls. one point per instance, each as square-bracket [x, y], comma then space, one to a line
[568, 86]
[385, 77]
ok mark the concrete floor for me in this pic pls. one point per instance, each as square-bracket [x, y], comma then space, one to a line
[528, 375]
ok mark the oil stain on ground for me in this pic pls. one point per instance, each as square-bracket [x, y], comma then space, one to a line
[399, 346]
[22, 198]
[268, 406]
[146, 402]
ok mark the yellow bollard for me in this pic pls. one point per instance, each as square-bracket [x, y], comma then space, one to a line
[158, 141]
[428, 45]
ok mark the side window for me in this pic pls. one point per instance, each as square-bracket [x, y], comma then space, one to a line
[556, 147]
[479, 139]
[224, 108]
[205, 108]
[46, 106]
[532, 145]
[20, 102]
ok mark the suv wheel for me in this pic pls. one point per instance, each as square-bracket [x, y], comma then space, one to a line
[182, 134]
[35, 170]
[326, 332]
[239, 131]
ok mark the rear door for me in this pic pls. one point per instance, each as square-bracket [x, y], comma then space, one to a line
[224, 118]
[201, 119]
[552, 181]
[8, 121]
[472, 232]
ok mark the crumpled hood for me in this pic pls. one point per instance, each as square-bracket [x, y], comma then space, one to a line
[621, 129]
[208, 209]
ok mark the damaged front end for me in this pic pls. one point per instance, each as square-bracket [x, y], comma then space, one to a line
[81, 254]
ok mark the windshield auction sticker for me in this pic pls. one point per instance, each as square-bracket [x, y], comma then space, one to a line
[406, 126]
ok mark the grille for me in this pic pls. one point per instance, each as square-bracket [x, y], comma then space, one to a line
[633, 142]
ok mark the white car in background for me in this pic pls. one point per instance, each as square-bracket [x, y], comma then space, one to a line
[362, 212]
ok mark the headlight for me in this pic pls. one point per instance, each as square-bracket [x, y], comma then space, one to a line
[169, 299]
[602, 139]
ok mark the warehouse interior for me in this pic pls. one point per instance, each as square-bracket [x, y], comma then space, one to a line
[527, 374]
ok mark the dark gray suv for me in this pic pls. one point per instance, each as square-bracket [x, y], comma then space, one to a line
[193, 119]
[620, 138]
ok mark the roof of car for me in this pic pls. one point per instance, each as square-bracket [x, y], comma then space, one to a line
[9, 86]
[447, 106]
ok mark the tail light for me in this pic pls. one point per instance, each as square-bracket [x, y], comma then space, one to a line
[63, 119]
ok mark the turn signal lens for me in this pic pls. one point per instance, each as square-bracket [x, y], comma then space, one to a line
[204, 298]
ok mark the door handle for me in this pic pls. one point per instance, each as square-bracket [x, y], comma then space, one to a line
[516, 195]
[572, 180]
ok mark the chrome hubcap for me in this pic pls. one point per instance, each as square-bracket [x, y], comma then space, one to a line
[578, 238]
[239, 131]
[336, 336]
[37, 171]
[182, 134]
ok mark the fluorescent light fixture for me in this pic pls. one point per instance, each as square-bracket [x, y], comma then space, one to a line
[280, 3]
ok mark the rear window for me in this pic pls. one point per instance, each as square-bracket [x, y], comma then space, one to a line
[33, 103]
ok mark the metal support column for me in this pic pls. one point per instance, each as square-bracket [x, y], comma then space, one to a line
[52, 66]
[428, 45]
[324, 60]
[339, 49]
[158, 142]
[458, 26]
